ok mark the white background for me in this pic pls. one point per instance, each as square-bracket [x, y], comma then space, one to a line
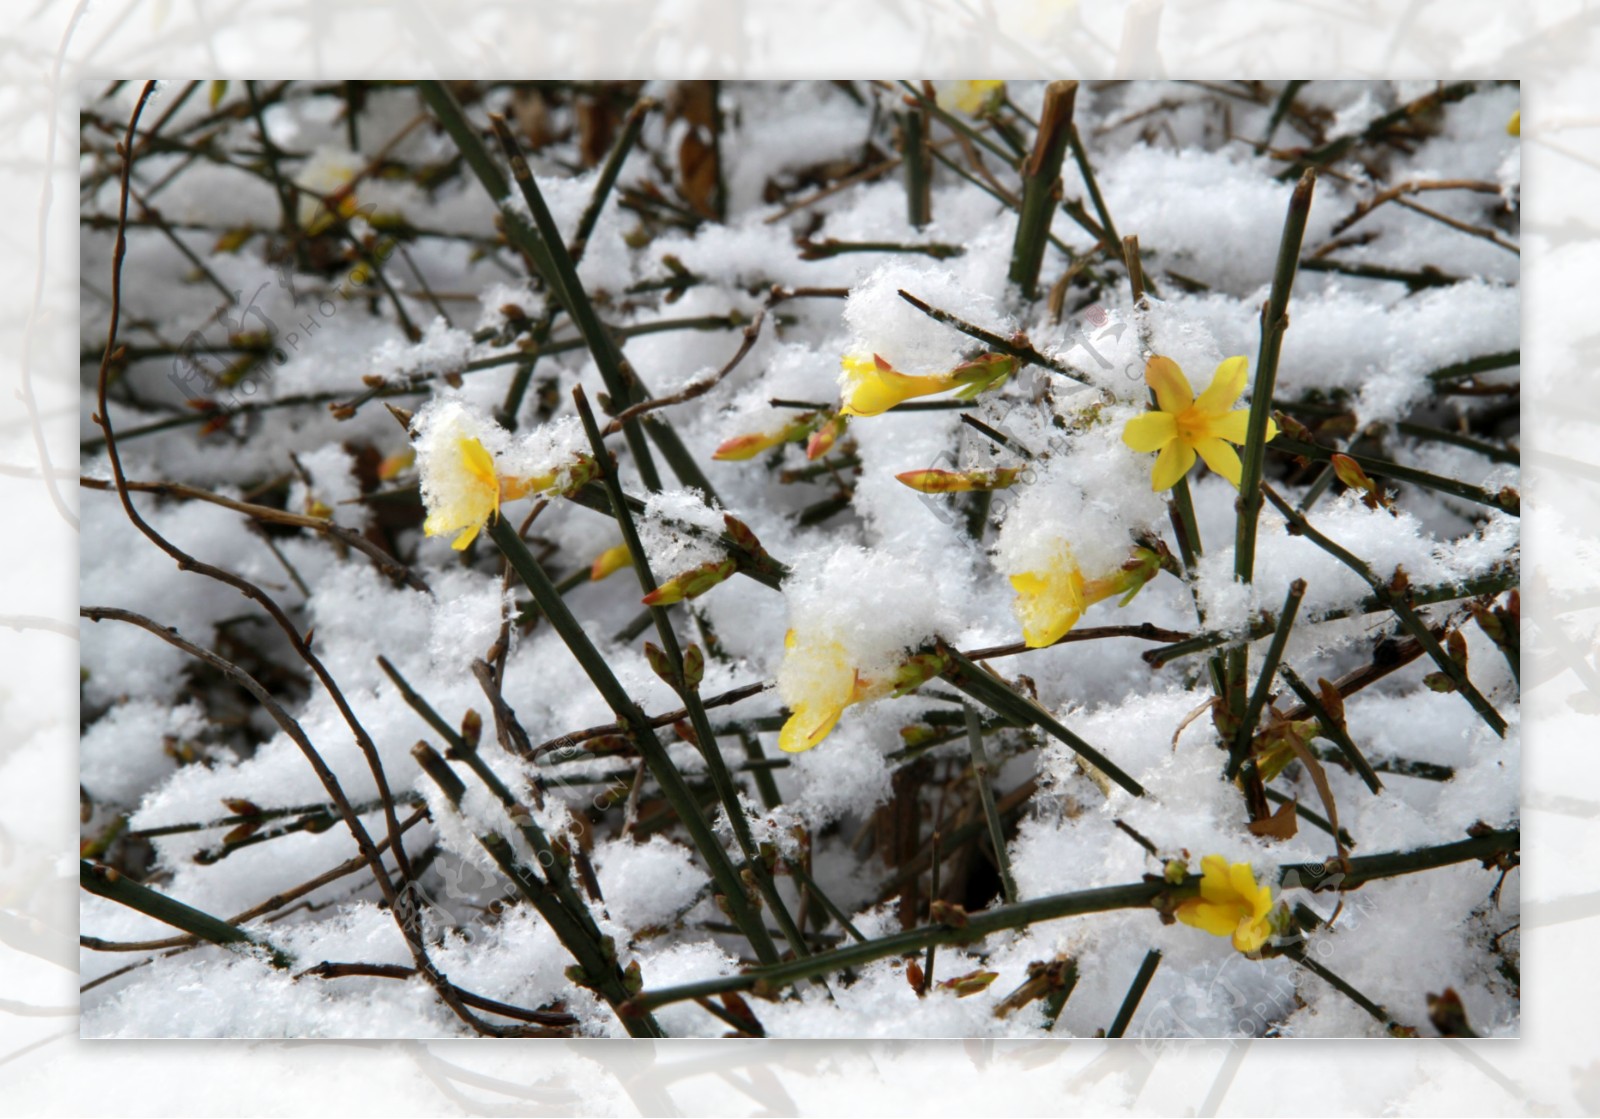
[50, 46]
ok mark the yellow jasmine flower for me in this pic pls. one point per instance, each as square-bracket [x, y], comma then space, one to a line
[1049, 601]
[871, 386]
[328, 174]
[462, 481]
[1230, 904]
[817, 682]
[474, 490]
[392, 466]
[971, 97]
[1183, 425]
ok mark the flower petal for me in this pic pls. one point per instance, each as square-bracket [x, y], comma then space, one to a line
[1233, 427]
[1218, 920]
[1048, 604]
[478, 461]
[466, 537]
[1171, 387]
[1222, 458]
[806, 727]
[1227, 385]
[1150, 432]
[1214, 884]
[875, 393]
[1243, 881]
[1172, 464]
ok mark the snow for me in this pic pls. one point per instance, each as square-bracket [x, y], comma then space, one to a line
[167, 741]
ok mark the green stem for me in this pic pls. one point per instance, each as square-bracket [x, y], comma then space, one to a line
[1506, 500]
[1484, 364]
[914, 160]
[1496, 846]
[971, 679]
[1263, 688]
[105, 882]
[689, 693]
[1041, 175]
[1130, 1002]
[1492, 583]
[599, 966]
[764, 569]
[655, 755]
[1274, 322]
[994, 341]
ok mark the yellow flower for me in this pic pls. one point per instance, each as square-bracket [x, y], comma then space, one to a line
[1514, 125]
[871, 386]
[1230, 904]
[818, 682]
[462, 483]
[474, 490]
[971, 97]
[1183, 425]
[1050, 601]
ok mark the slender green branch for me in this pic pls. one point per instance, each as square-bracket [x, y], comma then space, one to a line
[1274, 322]
[595, 961]
[1263, 688]
[103, 881]
[1494, 847]
[1130, 1001]
[1019, 350]
[1493, 583]
[914, 159]
[971, 679]
[655, 755]
[1507, 500]
[1476, 365]
[1333, 149]
[1041, 175]
[689, 692]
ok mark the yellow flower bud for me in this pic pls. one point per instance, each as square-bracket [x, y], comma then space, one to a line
[609, 562]
[959, 481]
[692, 583]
